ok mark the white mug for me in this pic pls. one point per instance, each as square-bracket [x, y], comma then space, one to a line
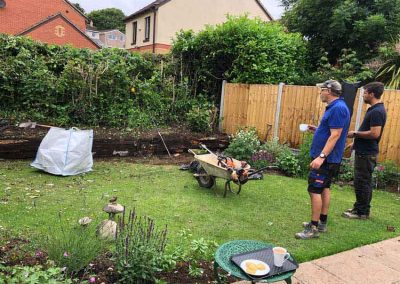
[280, 256]
[303, 127]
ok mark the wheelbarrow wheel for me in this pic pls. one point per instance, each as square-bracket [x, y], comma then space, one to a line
[205, 180]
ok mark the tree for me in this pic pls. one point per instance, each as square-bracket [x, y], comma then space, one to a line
[331, 26]
[77, 6]
[106, 19]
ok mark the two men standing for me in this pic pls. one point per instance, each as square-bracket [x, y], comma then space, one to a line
[327, 150]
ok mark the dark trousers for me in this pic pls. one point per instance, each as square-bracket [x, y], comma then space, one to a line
[363, 168]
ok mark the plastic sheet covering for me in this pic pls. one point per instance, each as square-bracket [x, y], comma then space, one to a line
[65, 152]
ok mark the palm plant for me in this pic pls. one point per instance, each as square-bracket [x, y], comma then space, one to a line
[389, 73]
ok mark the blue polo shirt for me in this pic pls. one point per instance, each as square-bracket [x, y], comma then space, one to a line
[336, 116]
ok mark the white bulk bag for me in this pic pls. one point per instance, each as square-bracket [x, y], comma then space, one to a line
[65, 152]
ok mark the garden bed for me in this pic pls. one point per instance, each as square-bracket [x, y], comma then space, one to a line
[20, 143]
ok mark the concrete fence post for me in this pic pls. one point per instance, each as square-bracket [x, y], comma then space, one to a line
[221, 106]
[278, 110]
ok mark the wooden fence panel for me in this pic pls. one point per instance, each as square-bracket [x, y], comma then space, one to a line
[300, 104]
[261, 109]
[255, 106]
[390, 142]
[236, 100]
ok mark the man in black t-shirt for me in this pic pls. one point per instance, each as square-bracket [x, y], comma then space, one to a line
[366, 141]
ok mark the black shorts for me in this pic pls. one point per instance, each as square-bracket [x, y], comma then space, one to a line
[322, 178]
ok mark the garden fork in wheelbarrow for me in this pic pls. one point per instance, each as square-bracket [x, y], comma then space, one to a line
[214, 165]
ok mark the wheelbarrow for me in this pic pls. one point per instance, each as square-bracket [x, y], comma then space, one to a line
[213, 166]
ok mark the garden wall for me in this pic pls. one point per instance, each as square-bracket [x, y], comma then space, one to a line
[277, 111]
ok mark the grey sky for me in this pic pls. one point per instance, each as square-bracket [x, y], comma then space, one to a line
[130, 6]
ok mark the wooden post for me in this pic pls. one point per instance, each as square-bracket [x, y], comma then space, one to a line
[278, 109]
[358, 116]
[221, 106]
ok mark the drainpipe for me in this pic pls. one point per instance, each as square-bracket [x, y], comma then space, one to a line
[154, 29]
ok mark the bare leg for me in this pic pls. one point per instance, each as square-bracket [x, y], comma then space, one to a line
[316, 205]
[326, 200]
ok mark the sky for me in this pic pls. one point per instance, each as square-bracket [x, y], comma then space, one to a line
[130, 6]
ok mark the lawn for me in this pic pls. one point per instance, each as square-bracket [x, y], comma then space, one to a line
[269, 210]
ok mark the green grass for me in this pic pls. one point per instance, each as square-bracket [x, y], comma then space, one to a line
[270, 210]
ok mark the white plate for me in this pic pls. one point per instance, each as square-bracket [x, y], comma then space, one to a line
[259, 272]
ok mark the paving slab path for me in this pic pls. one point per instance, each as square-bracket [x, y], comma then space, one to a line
[377, 263]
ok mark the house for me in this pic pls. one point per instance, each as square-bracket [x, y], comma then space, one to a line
[152, 28]
[106, 38]
[49, 21]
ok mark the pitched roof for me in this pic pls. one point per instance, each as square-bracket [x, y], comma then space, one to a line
[76, 9]
[50, 18]
[157, 3]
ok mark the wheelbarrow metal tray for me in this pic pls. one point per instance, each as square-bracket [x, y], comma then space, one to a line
[210, 164]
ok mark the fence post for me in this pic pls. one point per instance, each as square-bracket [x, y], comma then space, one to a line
[358, 116]
[359, 109]
[278, 109]
[221, 106]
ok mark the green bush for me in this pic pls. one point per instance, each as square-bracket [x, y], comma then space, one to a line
[66, 86]
[346, 172]
[275, 149]
[199, 118]
[387, 175]
[288, 163]
[139, 249]
[240, 50]
[243, 145]
[304, 155]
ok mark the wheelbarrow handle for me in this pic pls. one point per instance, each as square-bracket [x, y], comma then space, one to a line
[263, 169]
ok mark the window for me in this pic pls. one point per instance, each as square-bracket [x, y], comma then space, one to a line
[111, 36]
[134, 33]
[147, 29]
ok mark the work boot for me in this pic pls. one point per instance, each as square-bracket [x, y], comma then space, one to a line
[355, 215]
[310, 231]
[322, 227]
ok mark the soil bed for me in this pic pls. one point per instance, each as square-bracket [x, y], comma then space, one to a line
[21, 143]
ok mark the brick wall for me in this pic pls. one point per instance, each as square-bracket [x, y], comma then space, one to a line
[19, 15]
[59, 31]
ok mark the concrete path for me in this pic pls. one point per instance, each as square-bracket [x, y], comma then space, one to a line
[372, 264]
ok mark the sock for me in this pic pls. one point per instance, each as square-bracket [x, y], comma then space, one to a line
[314, 223]
[323, 218]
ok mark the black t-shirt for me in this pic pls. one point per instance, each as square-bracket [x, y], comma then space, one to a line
[375, 116]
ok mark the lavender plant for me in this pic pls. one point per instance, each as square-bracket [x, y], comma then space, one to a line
[139, 249]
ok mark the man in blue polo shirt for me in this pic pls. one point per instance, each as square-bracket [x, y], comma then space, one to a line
[326, 152]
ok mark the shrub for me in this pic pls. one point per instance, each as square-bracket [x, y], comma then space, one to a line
[275, 148]
[199, 118]
[139, 249]
[386, 175]
[346, 170]
[243, 145]
[262, 159]
[304, 155]
[289, 163]
[240, 50]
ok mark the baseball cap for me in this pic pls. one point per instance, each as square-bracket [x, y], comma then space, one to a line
[331, 84]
